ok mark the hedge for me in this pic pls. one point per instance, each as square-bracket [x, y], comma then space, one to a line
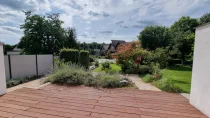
[84, 58]
[69, 55]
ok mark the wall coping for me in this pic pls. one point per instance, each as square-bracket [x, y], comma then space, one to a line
[1, 43]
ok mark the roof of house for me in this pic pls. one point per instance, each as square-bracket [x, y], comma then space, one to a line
[105, 46]
[115, 42]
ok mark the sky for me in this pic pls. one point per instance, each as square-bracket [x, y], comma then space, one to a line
[99, 20]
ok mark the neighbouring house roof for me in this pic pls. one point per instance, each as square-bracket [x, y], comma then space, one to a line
[116, 42]
[105, 46]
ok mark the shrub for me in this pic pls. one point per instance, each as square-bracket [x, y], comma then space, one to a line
[167, 85]
[72, 74]
[84, 58]
[109, 81]
[147, 78]
[161, 56]
[155, 70]
[135, 61]
[69, 55]
[96, 64]
[108, 55]
[69, 74]
[106, 65]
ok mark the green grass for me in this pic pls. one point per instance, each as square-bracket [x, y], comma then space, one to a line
[114, 67]
[179, 76]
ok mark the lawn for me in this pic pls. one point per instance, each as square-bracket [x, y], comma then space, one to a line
[180, 76]
[114, 67]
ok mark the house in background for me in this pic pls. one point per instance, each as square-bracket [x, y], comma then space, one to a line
[112, 47]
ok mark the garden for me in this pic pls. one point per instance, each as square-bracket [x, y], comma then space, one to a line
[72, 69]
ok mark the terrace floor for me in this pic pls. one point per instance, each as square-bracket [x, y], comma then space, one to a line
[53, 101]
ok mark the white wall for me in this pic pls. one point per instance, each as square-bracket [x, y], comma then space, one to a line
[45, 63]
[23, 65]
[200, 88]
[106, 60]
[2, 72]
[6, 64]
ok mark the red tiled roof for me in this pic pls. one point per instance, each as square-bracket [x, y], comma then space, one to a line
[54, 101]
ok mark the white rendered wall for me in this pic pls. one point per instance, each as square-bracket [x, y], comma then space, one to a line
[45, 63]
[23, 65]
[200, 88]
[2, 72]
[6, 64]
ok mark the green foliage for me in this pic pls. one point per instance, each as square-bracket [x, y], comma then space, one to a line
[167, 85]
[71, 39]
[114, 69]
[70, 55]
[131, 64]
[147, 78]
[162, 57]
[17, 81]
[106, 65]
[96, 64]
[172, 79]
[69, 74]
[109, 81]
[8, 47]
[183, 37]
[42, 34]
[153, 37]
[84, 58]
[72, 74]
[204, 19]
[184, 24]
[108, 55]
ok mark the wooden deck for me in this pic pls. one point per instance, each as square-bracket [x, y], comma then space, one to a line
[54, 101]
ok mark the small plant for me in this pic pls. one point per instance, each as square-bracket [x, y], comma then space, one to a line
[155, 70]
[109, 81]
[17, 81]
[106, 65]
[96, 64]
[167, 85]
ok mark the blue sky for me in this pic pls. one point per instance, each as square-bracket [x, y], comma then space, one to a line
[99, 20]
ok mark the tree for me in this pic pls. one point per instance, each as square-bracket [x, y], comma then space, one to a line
[153, 37]
[183, 36]
[71, 39]
[42, 34]
[184, 24]
[8, 47]
[204, 19]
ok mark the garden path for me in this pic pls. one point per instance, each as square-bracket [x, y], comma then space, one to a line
[35, 84]
[140, 84]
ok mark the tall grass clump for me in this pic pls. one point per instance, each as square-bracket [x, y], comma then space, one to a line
[68, 73]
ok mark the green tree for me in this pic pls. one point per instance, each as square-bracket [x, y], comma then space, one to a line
[8, 47]
[71, 39]
[184, 24]
[153, 37]
[204, 19]
[42, 34]
[183, 36]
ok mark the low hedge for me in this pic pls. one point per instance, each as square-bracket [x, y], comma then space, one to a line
[84, 58]
[69, 55]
